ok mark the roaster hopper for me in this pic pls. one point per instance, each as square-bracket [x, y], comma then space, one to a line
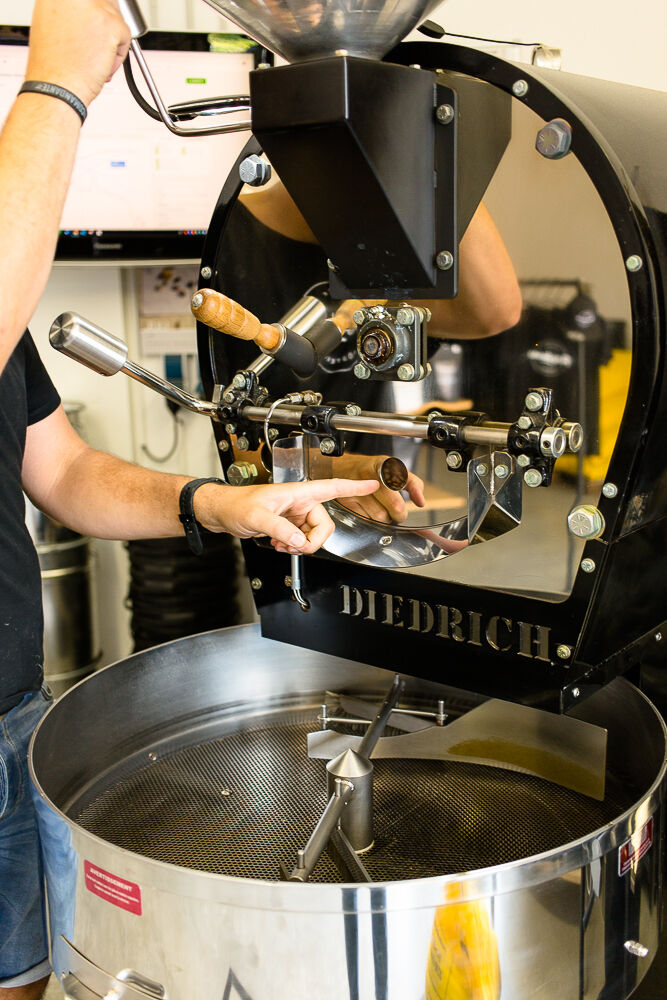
[195, 843]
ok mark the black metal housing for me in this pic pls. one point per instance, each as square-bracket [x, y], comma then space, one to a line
[615, 618]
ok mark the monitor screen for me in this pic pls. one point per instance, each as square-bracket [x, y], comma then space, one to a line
[138, 191]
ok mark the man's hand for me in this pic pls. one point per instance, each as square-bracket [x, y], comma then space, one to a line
[290, 514]
[387, 506]
[78, 45]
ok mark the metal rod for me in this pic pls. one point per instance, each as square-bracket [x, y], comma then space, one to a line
[378, 725]
[172, 392]
[308, 856]
[356, 869]
[163, 111]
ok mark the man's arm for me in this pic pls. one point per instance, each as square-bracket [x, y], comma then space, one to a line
[97, 494]
[76, 45]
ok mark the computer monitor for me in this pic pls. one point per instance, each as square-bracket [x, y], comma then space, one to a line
[139, 192]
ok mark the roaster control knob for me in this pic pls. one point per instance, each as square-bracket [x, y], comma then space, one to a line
[585, 521]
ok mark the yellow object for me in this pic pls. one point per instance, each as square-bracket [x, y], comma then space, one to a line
[614, 382]
[463, 957]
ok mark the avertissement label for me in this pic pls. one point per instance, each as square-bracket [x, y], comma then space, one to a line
[115, 890]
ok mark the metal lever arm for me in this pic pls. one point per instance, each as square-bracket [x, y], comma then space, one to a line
[105, 354]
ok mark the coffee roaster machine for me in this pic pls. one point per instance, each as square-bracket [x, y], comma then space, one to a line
[490, 820]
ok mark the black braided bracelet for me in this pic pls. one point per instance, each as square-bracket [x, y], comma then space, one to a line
[187, 515]
[53, 90]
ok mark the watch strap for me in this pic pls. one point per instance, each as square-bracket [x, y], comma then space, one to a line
[187, 517]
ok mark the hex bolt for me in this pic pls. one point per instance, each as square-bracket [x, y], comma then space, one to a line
[588, 565]
[634, 262]
[254, 171]
[361, 371]
[223, 445]
[386, 540]
[273, 433]
[502, 471]
[534, 401]
[405, 316]
[554, 139]
[636, 948]
[532, 478]
[482, 469]
[519, 88]
[610, 490]
[288, 581]
[444, 260]
[206, 273]
[256, 583]
[454, 460]
[523, 461]
[352, 410]
[575, 692]
[359, 315]
[228, 397]
[445, 114]
[585, 521]
[405, 372]
[524, 422]
[327, 446]
[197, 300]
[564, 652]
[238, 381]
[230, 428]
[152, 755]
[241, 473]
[242, 443]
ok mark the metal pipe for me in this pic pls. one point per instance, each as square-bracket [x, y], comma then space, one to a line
[378, 725]
[308, 856]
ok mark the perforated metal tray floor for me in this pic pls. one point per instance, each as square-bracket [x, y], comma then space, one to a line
[240, 804]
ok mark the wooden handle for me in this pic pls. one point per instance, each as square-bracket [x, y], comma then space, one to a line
[223, 314]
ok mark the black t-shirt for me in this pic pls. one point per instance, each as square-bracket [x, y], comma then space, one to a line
[27, 395]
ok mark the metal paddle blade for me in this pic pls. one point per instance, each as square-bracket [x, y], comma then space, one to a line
[558, 748]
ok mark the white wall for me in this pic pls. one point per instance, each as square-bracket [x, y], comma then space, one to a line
[603, 38]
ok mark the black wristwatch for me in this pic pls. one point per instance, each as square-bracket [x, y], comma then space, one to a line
[187, 515]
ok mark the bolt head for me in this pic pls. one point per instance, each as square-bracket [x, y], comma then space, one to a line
[444, 260]
[454, 460]
[554, 139]
[238, 381]
[225, 792]
[240, 473]
[502, 471]
[230, 428]
[352, 410]
[482, 469]
[658, 636]
[405, 316]
[405, 373]
[361, 371]
[445, 114]
[564, 652]
[534, 401]
[520, 88]
[524, 422]
[273, 433]
[575, 692]
[359, 315]
[256, 583]
[288, 581]
[636, 948]
[206, 273]
[197, 300]
[228, 397]
[223, 445]
[386, 540]
[327, 446]
[588, 565]
[242, 443]
[523, 461]
[254, 171]
[532, 478]
[585, 521]
[610, 490]
[634, 262]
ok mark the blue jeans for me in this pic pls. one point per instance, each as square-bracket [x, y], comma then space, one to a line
[23, 938]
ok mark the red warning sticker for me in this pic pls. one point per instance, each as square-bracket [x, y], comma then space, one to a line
[115, 890]
[632, 850]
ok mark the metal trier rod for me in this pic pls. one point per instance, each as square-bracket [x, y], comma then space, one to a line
[378, 725]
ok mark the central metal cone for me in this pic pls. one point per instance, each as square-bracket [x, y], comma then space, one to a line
[313, 29]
